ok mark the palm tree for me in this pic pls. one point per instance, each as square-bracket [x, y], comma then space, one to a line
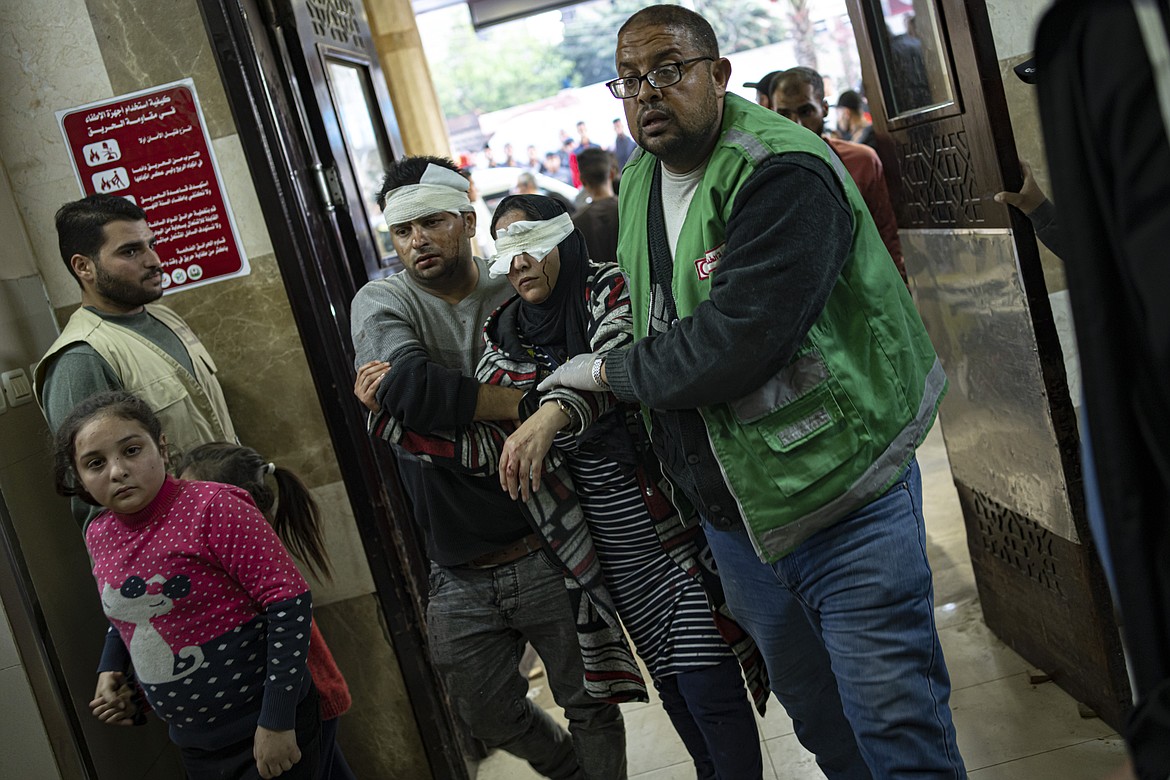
[803, 34]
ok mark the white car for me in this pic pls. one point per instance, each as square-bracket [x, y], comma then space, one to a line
[494, 183]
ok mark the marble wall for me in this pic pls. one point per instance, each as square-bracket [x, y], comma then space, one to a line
[145, 43]
[377, 741]
[246, 323]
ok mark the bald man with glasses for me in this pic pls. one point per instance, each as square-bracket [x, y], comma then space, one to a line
[789, 380]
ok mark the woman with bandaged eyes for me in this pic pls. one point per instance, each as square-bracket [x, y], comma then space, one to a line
[582, 465]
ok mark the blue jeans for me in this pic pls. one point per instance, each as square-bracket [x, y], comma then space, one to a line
[1094, 509]
[478, 621]
[851, 611]
[709, 709]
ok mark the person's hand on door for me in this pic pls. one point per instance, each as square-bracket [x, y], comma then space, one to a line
[1030, 195]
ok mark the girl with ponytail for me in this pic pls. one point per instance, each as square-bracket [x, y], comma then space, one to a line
[293, 514]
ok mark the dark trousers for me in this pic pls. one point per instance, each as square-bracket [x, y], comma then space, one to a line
[333, 763]
[710, 710]
[479, 621]
[236, 762]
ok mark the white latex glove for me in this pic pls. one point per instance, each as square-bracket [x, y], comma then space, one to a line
[577, 373]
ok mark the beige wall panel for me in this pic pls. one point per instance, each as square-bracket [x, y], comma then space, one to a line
[408, 76]
[16, 254]
[24, 751]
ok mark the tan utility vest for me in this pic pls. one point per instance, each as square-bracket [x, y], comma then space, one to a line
[191, 408]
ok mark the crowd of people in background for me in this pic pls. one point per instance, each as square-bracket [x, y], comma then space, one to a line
[560, 162]
[851, 121]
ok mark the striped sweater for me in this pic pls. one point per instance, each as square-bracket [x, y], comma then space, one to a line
[611, 672]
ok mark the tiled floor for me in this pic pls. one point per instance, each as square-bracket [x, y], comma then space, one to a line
[1008, 729]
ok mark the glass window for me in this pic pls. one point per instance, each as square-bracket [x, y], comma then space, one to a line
[356, 110]
[912, 57]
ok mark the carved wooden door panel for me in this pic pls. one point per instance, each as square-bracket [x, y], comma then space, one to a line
[934, 89]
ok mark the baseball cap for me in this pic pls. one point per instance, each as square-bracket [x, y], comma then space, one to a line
[1026, 70]
[764, 84]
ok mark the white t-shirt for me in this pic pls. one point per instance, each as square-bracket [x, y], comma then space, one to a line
[677, 191]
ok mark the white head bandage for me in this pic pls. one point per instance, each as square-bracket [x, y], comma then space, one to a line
[537, 238]
[439, 189]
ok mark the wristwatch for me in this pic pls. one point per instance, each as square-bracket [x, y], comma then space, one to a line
[568, 411]
[597, 364]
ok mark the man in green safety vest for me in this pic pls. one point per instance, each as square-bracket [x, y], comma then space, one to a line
[787, 380]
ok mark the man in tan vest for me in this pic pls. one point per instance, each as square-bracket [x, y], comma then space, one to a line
[115, 341]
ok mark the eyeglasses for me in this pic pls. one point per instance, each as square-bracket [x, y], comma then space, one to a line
[662, 76]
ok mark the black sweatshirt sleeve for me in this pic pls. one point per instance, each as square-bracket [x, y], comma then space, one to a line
[788, 237]
[423, 395]
[426, 396]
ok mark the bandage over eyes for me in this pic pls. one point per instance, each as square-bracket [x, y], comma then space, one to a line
[439, 189]
[535, 238]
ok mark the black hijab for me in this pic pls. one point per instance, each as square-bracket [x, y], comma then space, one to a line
[560, 322]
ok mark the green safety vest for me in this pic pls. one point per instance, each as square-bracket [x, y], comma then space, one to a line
[838, 425]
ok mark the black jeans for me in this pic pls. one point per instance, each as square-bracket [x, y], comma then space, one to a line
[479, 620]
[236, 762]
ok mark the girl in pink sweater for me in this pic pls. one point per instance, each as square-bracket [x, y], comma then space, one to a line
[201, 597]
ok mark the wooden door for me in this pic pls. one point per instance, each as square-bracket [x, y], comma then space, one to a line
[344, 104]
[934, 89]
[318, 128]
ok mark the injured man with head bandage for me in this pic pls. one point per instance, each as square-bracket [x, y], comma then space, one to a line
[581, 471]
[418, 338]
